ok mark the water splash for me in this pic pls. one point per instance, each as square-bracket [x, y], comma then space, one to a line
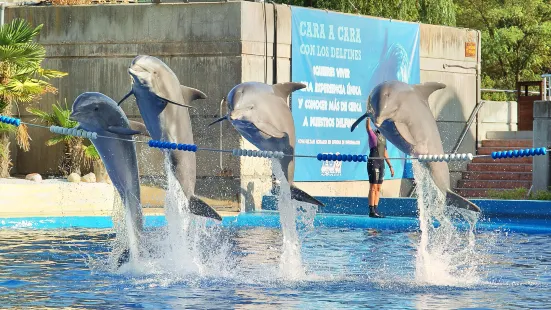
[292, 213]
[186, 246]
[290, 266]
[446, 253]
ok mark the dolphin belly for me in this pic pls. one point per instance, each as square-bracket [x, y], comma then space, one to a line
[390, 132]
[119, 158]
[249, 131]
[439, 171]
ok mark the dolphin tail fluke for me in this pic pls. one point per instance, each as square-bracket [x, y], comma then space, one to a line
[300, 195]
[453, 199]
[201, 208]
[130, 93]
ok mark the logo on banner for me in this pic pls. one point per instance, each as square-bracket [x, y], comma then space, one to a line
[331, 168]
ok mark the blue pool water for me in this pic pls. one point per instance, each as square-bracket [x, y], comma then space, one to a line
[349, 265]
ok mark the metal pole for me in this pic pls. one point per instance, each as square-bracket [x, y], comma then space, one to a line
[2, 7]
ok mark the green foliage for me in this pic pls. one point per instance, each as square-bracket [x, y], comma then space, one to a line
[519, 194]
[437, 12]
[22, 79]
[58, 117]
[440, 12]
[515, 194]
[91, 152]
[516, 38]
[75, 150]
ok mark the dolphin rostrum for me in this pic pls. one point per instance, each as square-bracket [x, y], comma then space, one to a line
[401, 112]
[259, 112]
[98, 113]
[160, 99]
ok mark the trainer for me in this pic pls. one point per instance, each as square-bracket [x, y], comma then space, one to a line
[376, 167]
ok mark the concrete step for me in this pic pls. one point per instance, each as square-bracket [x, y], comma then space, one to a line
[509, 135]
[496, 176]
[474, 192]
[507, 144]
[489, 150]
[493, 184]
[497, 167]
[514, 160]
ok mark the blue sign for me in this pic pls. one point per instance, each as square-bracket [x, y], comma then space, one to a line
[341, 58]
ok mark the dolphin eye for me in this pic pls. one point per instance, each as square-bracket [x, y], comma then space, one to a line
[96, 109]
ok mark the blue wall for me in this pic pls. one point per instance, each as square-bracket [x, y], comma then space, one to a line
[341, 58]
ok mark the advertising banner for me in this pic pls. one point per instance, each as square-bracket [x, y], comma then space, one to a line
[341, 58]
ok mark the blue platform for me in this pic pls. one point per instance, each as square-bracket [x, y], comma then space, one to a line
[407, 207]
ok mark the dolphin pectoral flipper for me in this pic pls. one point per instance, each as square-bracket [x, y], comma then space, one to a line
[191, 94]
[426, 89]
[125, 97]
[172, 102]
[453, 199]
[358, 121]
[219, 120]
[140, 127]
[269, 129]
[283, 90]
[201, 208]
[122, 130]
[300, 195]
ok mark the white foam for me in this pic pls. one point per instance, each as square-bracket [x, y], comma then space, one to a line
[445, 255]
[185, 246]
[290, 266]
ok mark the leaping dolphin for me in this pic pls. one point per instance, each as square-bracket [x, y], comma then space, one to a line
[160, 99]
[259, 112]
[98, 113]
[401, 112]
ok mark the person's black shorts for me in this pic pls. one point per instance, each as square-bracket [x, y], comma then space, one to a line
[376, 171]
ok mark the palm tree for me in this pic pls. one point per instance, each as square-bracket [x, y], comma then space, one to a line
[22, 79]
[75, 152]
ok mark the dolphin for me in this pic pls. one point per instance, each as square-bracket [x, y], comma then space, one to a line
[160, 99]
[401, 112]
[98, 113]
[259, 112]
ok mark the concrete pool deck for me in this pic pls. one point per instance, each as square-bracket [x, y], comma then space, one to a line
[58, 197]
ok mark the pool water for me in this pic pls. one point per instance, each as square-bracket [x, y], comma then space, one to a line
[345, 268]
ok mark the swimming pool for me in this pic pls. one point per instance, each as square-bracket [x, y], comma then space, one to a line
[350, 262]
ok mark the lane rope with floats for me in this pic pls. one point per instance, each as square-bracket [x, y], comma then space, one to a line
[165, 145]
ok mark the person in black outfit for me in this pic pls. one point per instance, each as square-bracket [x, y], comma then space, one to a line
[376, 167]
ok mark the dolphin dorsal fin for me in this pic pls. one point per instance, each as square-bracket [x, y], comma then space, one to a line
[426, 89]
[191, 94]
[283, 90]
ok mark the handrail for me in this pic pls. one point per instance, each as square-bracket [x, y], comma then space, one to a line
[468, 125]
[474, 113]
[489, 90]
